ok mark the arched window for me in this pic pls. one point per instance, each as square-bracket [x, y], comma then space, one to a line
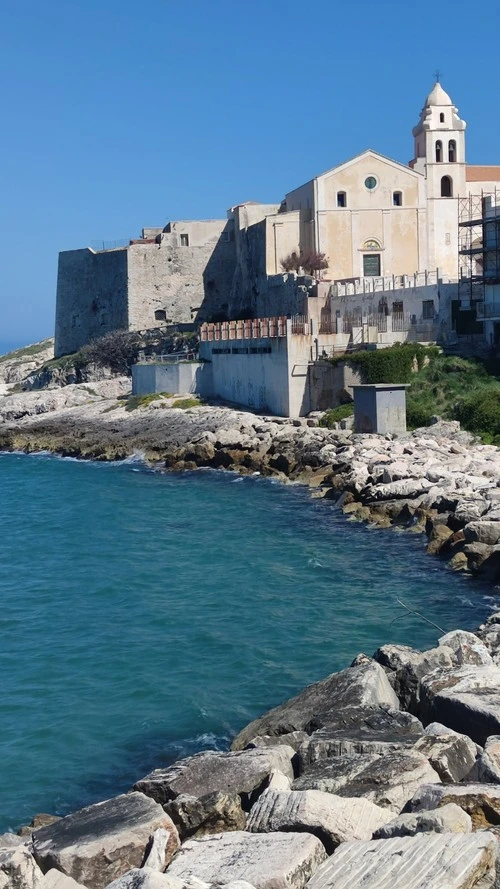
[397, 198]
[441, 117]
[439, 151]
[341, 199]
[452, 151]
[446, 187]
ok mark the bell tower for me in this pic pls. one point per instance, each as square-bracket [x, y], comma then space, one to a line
[440, 155]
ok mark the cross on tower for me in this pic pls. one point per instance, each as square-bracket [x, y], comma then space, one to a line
[437, 75]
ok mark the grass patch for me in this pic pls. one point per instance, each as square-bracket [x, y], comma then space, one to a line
[133, 402]
[184, 403]
[335, 414]
[26, 351]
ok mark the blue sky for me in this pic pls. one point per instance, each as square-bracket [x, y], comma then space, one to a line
[118, 114]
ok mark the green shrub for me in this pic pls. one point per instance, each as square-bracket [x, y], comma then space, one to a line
[480, 413]
[393, 365]
[136, 401]
[335, 414]
[185, 403]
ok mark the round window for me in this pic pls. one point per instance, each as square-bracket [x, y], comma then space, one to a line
[370, 183]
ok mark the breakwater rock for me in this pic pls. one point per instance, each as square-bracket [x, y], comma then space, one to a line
[436, 480]
[341, 786]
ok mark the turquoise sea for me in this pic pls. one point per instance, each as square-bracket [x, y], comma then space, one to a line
[147, 616]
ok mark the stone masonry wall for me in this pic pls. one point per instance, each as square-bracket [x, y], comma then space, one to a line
[91, 297]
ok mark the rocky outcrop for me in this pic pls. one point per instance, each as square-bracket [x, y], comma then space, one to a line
[100, 843]
[267, 861]
[363, 686]
[15, 366]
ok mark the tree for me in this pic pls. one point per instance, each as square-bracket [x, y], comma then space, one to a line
[310, 260]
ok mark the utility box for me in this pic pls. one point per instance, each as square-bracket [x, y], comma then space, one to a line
[380, 408]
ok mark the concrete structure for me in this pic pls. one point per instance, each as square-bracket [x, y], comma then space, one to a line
[373, 217]
[174, 378]
[380, 409]
[479, 247]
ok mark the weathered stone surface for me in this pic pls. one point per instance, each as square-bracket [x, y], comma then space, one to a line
[488, 764]
[267, 861]
[213, 813]
[407, 488]
[156, 853]
[451, 755]
[482, 532]
[410, 666]
[480, 801]
[329, 775]
[243, 772]
[467, 648]
[332, 819]
[292, 739]
[360, 730]
[54, 879]
[10, 841]
[100, 843]
[363, 686]
[437, 861]
[144, 878]
[449, 819]
[391, 780]
[439, 535]
[40, 820]
[388, 781]
[19, 870]
[466, 699]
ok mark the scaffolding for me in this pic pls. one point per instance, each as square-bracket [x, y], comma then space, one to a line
[478, 248]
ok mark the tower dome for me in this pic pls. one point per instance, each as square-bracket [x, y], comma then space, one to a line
[438, 96]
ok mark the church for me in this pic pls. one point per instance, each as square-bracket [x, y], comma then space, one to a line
[374, 216]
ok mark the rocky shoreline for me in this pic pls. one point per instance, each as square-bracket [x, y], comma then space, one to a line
[384, 774]
[436, 480]
[341, 786]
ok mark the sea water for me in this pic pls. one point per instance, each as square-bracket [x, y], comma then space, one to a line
[146, 617]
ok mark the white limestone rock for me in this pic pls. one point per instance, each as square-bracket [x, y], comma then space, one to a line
[10, 841]
[240, 772]
[357, 730]
[19, 870]
[480, 801]
[451, 755]
[267, 861]
[467, 648]
[157, 853]
[449, 819]
[54, 879]
[331, 818]
[410, 666]
[145, 878]
[99, 843]
[484, 531]
[365, 686]
[437, 861]
[488, 764]
[465, 698]
[388, 781]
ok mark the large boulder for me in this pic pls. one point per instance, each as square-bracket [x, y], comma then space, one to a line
[198, 816]
[19, 870]
[480, 801]
[467, 648]
[360, 730]
[437, 861]
[410, 666]
[54, 879]
[144, 878]
[465, 698]
[267, 861]
[245, 772]
[388, 781]
[332, 819]
[488, 764]
[453, 756]
[449, 819]
[99, 843]
[365, 685]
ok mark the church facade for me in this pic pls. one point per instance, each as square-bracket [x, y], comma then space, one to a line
[373, 216]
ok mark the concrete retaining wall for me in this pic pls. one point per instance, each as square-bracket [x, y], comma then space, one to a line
[182, 378]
